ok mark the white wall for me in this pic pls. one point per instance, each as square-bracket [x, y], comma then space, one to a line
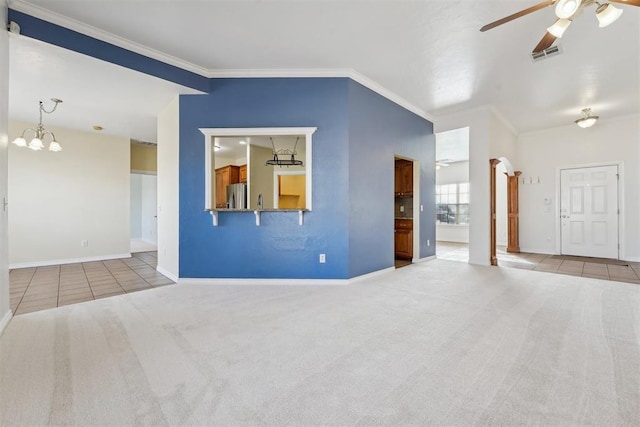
[60, 199]
[502, 144]
[478, 122]
[540, 154]
[260, 177]
[5, 313]
[454, 173]
[168, 180]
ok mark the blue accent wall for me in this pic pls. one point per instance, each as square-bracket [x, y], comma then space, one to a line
[279, 248]
[379, 130]
[60, 36]
[359, 132]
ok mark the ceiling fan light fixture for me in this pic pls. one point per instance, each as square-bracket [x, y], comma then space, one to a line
[559, 27]
[565, 9]
[587, 119]
[607, 14]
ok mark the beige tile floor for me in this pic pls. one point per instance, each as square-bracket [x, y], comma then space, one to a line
[40, 288]
[540, 262]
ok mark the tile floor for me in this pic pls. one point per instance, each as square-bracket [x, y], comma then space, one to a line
[540, 262]
[40, 288]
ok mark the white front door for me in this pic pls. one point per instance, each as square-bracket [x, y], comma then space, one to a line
[589, 211]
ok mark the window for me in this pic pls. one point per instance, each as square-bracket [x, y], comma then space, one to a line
[452, 203]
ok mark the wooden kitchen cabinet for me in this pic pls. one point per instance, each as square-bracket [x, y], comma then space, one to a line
[403, 238]
[243, 173]
[224, 176]
[403, 178]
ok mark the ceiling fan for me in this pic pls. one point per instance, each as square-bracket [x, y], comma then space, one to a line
[566, 10]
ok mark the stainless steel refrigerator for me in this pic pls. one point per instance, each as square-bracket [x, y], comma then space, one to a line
[237, 196]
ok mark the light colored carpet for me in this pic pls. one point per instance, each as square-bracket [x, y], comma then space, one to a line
[438, 343]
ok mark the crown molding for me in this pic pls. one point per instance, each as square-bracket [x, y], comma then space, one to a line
[391, 96]
[572, 126]
[503, 119]
[80, 27]
[323, 73]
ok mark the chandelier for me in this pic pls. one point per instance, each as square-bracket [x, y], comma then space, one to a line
[39, 133]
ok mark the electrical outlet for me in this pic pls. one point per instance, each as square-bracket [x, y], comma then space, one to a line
[84, 243]
[323, 258]
[428, 242]
[401, 208]
[421, 208]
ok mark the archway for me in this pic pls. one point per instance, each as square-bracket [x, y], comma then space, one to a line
[513, 239]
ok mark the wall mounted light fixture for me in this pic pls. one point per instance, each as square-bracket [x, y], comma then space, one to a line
[39, 133]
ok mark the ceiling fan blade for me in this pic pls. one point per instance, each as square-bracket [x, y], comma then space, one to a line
[546, 42]
[518, 15]
[629, 2]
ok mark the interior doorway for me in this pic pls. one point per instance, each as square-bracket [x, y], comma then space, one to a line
[452, 194]
[144, 218]
[589, 211]
[498, 167]
[404, 225]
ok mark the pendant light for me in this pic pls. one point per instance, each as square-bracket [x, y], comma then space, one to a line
[39, 133]
[587, 120]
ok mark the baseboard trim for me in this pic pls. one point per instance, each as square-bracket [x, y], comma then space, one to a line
[632, 259]
[370, 275]
[68, 261]
[419, 260]
[283, 282]
[264, 282]
[537, 251]
[167, 274]
[5, 321]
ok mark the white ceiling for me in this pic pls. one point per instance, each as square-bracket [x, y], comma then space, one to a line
[428, 52]
[122, 101]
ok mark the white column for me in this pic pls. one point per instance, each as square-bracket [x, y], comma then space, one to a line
[168, 189]
[5, 313]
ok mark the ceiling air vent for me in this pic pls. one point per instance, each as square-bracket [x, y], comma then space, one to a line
[551, 51]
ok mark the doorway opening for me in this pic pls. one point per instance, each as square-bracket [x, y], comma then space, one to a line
[452, 194]
[144, 195]
[144, 218]
[504, 222]
[405, 228]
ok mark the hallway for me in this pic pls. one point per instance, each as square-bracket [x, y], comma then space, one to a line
[40, 288]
